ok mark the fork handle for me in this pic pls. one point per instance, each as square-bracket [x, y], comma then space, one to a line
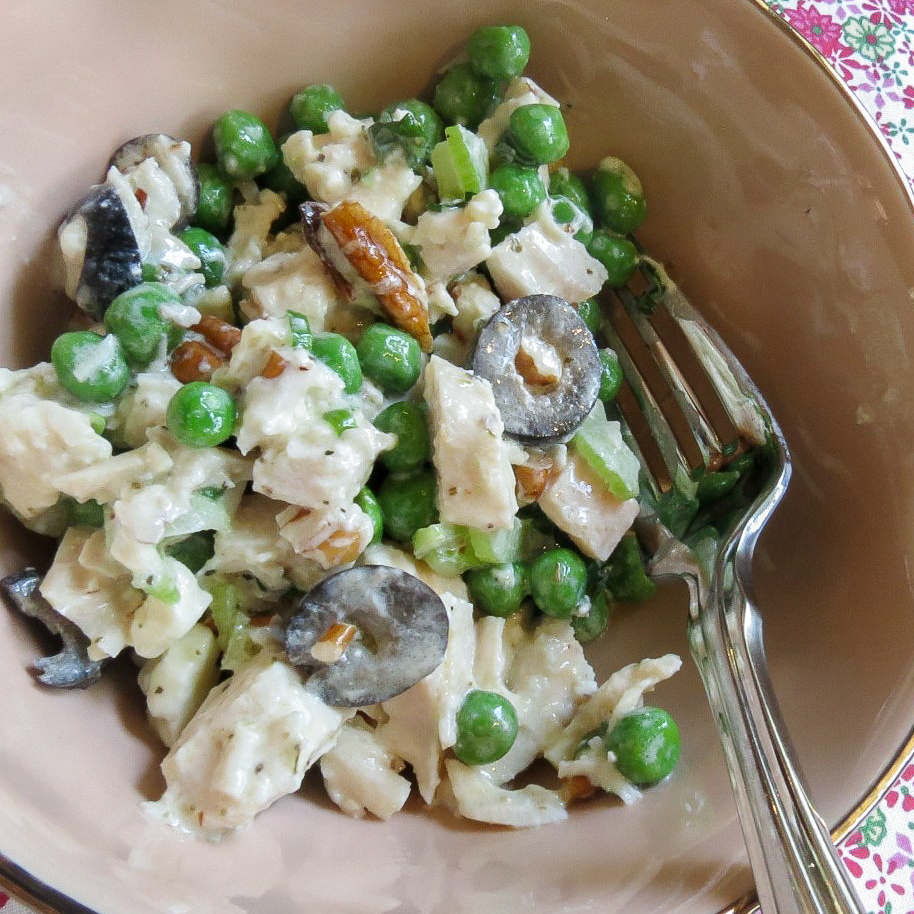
[794, 862]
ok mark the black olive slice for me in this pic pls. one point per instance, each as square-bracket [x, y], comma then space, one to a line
[173, 157]
[402, 631]
[69, 669]
[538, 410]
[111, 260]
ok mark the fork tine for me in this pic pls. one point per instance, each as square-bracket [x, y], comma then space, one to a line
[706, 397]
[682, 406]
[658, 430]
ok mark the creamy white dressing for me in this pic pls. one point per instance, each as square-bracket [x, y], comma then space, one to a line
[278, 500]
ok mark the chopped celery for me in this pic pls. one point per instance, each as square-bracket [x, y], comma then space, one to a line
[232, 626]
[601, 444]
[162, 586]
[299, 330]
[445, 548]
[340, 419]
[461, 164]
[496, 547]
[204, 513]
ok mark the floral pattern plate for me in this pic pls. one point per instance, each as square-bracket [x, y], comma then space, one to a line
[870, 45]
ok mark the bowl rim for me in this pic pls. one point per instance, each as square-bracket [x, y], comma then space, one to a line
[23, 886]
[748, 904]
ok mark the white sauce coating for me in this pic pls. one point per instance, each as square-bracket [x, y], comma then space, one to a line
[274, 508]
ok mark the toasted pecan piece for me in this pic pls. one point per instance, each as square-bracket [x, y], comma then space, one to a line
[531, 482]
[275, 365]
[375, 254]
[218, 333]
[194, 360]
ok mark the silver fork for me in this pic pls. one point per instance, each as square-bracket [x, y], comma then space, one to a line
[689, 404]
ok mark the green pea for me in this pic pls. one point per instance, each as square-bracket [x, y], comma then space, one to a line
[413, 448]
[486, 728]
[90, 366]
[299, 330]
[280, 180]
[610, 375]
[626, 576]
[215, 201]
[504, 228]
[311, 107]
[369, 504]
[390, 358]
[538, 133]
[464, 97]
[563, 183]
[133, 317]
[590, 312]
[566, 212]
[201, 415]
[618, 197]
[336, 352]
[408, 503]
[244, 146]
[87, 513]
[429, 122]
[519, 187]
[558, 579]
[498, 590]
[499, 51]
[340, 419]
[617, 253]
[150, 272]
[646, 744]
[589, 627]
[195, 550]
[211, 253]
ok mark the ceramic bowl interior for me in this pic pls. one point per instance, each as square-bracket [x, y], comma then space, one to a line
[779, 212]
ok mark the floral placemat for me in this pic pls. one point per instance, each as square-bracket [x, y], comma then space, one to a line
[870, 44]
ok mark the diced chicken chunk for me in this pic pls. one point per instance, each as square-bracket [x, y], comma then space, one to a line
[42, 440]
[290, 282]
[102, 605]
[253, 221]
[456, 240]
[143, 408]
[472, 460]
[252, 546]
[578, 502]
[543, 259]
[476, 303]
[361, 775]
[421, 722]
[164, 618]
[476, 797]
[619, 695]
[542, 672]
[249, 744]
[176, 683]
[341, 165]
